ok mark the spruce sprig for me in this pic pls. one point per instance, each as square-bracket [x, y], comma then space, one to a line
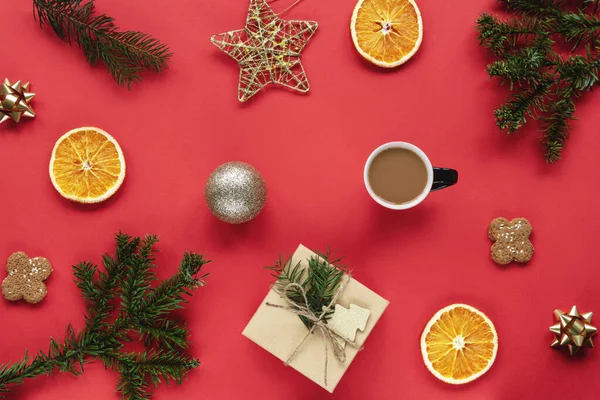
[544, 82]
[320, 280]
[122, 305]
[125, 53]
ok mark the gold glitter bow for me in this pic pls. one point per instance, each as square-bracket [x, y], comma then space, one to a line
[330, 336]
[14, 101]
[573, 330]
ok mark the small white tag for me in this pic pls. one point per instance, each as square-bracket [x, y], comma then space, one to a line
[346, 321]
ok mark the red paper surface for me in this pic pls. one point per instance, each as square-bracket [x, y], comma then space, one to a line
[176, 127]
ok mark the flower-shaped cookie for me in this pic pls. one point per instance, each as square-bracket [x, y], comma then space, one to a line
[25, 276]
[511, 240]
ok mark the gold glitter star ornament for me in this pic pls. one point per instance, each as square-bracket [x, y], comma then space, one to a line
[267, 50]
[14, 101]
[573, 330]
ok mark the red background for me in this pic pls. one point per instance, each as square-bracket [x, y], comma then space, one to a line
[177, 126]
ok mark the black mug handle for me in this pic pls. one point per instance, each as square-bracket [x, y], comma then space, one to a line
[443, 177]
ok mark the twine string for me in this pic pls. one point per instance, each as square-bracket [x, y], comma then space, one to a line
[330, 337]
[287, 9]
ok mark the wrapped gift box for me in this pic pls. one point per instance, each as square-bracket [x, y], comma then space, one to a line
[280, 331]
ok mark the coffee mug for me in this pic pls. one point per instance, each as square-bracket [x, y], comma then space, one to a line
[399, 169]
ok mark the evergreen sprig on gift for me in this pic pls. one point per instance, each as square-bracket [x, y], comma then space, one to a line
[544, 81]
[125, 53]
[124, 303]
[320, 281]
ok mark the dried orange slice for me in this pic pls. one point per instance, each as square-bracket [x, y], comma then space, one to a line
[459, 344]
[387, 32]
[87, 165]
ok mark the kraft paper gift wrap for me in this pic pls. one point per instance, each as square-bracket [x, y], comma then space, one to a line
[280, 331]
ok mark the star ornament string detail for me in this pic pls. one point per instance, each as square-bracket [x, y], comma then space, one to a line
[267, 50]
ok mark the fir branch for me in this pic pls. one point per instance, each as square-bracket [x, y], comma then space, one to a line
[125, 53]
[581, 74]
[543, 8]
[501, 36]
[544, 84]
[159, 365]
[143, 313]
[15, 374]
[526, 66]
[132, 383]
[98, 292]
[320, 280]
[139, 276]
[513, 114]
[171, 334]
[556, 128]
[169, 294]
[579, 26]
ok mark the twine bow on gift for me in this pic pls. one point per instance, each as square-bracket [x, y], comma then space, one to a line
[330, 337]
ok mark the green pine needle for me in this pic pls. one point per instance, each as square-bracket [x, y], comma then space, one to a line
[125, 54]
[144, 313]
[544, 83]
[320, 280]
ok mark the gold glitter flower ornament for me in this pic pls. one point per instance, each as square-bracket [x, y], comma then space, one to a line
[14, 101]
[573, 330]
[267, 50]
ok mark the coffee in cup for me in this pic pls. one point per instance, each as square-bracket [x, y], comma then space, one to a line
[398, 175]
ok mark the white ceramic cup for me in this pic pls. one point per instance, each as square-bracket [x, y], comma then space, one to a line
[437, 178]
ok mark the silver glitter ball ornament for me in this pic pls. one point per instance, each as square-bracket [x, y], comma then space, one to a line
[235, 192]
